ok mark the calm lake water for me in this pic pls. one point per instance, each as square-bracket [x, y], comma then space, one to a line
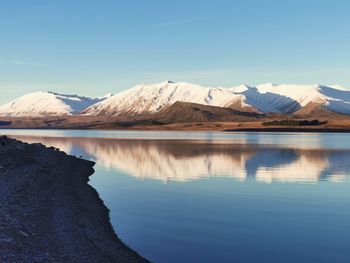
[220, 197]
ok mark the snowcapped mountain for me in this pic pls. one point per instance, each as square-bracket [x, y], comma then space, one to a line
[46, 104]
[266, 98]
[288, 98]
[153, 98]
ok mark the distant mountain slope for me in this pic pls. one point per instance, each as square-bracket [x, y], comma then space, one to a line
[267, 101]
[46, 104]
[151, 98]
[288, 98]
[180, 112]
[316, 110]
[297, 99]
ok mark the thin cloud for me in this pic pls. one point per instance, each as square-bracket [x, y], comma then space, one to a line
[16, 62]
[25, 63]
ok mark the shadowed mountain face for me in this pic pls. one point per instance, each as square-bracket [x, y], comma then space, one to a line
[270, 102]
[181, 160]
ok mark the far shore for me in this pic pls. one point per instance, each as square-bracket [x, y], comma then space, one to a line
[338, 124]
[209, 129]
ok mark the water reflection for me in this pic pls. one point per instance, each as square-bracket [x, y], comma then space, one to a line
[181, 160]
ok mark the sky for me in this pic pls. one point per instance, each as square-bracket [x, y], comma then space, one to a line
[97, 47]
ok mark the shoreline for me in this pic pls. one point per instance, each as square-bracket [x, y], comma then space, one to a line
[278, 129]
[296, 130]
[337, 124]
[49, 211]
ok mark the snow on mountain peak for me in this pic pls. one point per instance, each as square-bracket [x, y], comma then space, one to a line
[154, 97]
[106, 96]
[266, 98]
[151, 98]
[46, 103]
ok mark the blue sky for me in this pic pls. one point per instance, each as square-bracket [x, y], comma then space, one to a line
[97, 47]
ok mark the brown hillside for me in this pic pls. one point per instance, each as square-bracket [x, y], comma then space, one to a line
[180, 112]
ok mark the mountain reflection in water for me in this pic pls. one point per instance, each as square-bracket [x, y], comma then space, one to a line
[184, 160]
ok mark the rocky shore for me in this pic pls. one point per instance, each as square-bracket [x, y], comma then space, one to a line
[49, 213]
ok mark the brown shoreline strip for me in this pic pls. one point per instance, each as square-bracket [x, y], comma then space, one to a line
[49, 213]
[318, 130]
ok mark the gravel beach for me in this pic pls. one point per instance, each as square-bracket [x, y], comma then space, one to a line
[49, 213]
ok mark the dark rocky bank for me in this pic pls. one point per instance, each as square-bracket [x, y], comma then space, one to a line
[49, 213]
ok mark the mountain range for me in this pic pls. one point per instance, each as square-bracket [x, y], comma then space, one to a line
[168, 98]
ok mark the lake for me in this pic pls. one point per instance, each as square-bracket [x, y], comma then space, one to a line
[219, 197]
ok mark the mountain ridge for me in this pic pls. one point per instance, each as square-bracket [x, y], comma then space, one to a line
[47, 104]
[144, 99]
